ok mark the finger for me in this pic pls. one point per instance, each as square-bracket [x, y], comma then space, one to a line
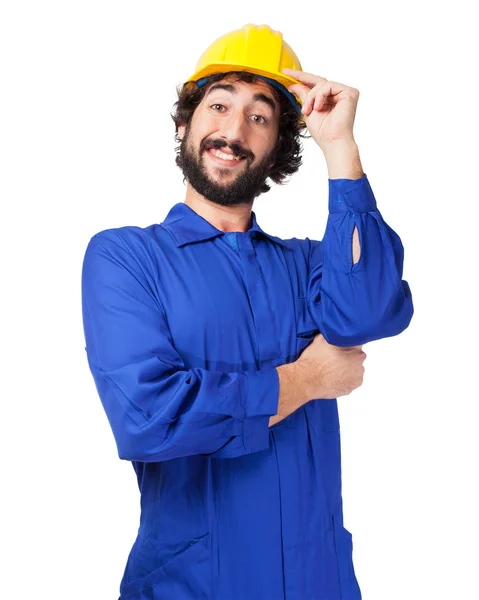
[308, 79]
[323, 99]
[315, 99]
[325, 94]
[309, 101]
[299, 90]
[333, 88]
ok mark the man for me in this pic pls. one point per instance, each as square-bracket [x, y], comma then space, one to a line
[219, 350]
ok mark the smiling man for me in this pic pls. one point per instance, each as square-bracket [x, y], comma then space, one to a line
[219, 350]
[229, 155]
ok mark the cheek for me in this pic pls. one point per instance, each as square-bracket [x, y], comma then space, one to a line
[266, 151]
[205, 123]
[267, 142]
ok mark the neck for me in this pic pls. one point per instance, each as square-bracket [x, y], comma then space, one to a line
[225, 218]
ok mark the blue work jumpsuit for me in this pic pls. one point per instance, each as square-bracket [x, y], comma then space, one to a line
[184, 328]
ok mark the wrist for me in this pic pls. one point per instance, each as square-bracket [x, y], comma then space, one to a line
[339, 145]
[301, 373]
[342, 159]
[299, 376]
[292, 390]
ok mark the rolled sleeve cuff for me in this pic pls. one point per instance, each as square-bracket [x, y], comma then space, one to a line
[261, 405]
[355, 195]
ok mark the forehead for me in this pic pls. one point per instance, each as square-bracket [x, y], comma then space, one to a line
[243, 88]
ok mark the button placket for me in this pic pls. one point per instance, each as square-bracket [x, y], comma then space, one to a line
[265, 323]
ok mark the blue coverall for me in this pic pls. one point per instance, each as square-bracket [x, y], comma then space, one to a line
[184, 329]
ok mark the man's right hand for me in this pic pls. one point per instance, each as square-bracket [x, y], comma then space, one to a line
[322, 371]
[330, 371]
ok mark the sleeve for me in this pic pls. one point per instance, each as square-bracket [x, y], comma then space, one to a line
[353, 304]
[157, 408]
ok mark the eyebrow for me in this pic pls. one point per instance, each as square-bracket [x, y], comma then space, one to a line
[259, 97]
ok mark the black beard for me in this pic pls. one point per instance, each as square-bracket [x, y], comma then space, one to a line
[245, 187]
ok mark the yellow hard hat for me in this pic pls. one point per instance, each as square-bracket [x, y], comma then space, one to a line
[254, 48]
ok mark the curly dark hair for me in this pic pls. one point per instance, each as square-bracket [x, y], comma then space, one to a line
[289, 147]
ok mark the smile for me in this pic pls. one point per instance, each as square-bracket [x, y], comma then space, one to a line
[223, 158]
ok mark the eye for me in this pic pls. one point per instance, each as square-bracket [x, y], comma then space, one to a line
[213, 105]
[263, 122]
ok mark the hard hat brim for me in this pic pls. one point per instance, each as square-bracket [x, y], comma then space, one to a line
[221, 67]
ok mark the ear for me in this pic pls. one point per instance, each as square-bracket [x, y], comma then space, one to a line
[181, 131]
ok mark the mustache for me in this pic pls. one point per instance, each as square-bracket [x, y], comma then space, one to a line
[236, 149]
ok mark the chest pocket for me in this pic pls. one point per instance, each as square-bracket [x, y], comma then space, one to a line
[306, 327]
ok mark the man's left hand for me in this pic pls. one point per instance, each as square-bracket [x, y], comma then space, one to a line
[329, 107]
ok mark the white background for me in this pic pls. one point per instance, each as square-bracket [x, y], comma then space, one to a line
[87, 143]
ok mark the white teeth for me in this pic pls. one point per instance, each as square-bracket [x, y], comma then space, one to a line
[223, 155]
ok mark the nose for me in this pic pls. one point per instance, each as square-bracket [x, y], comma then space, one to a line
[233, 128]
